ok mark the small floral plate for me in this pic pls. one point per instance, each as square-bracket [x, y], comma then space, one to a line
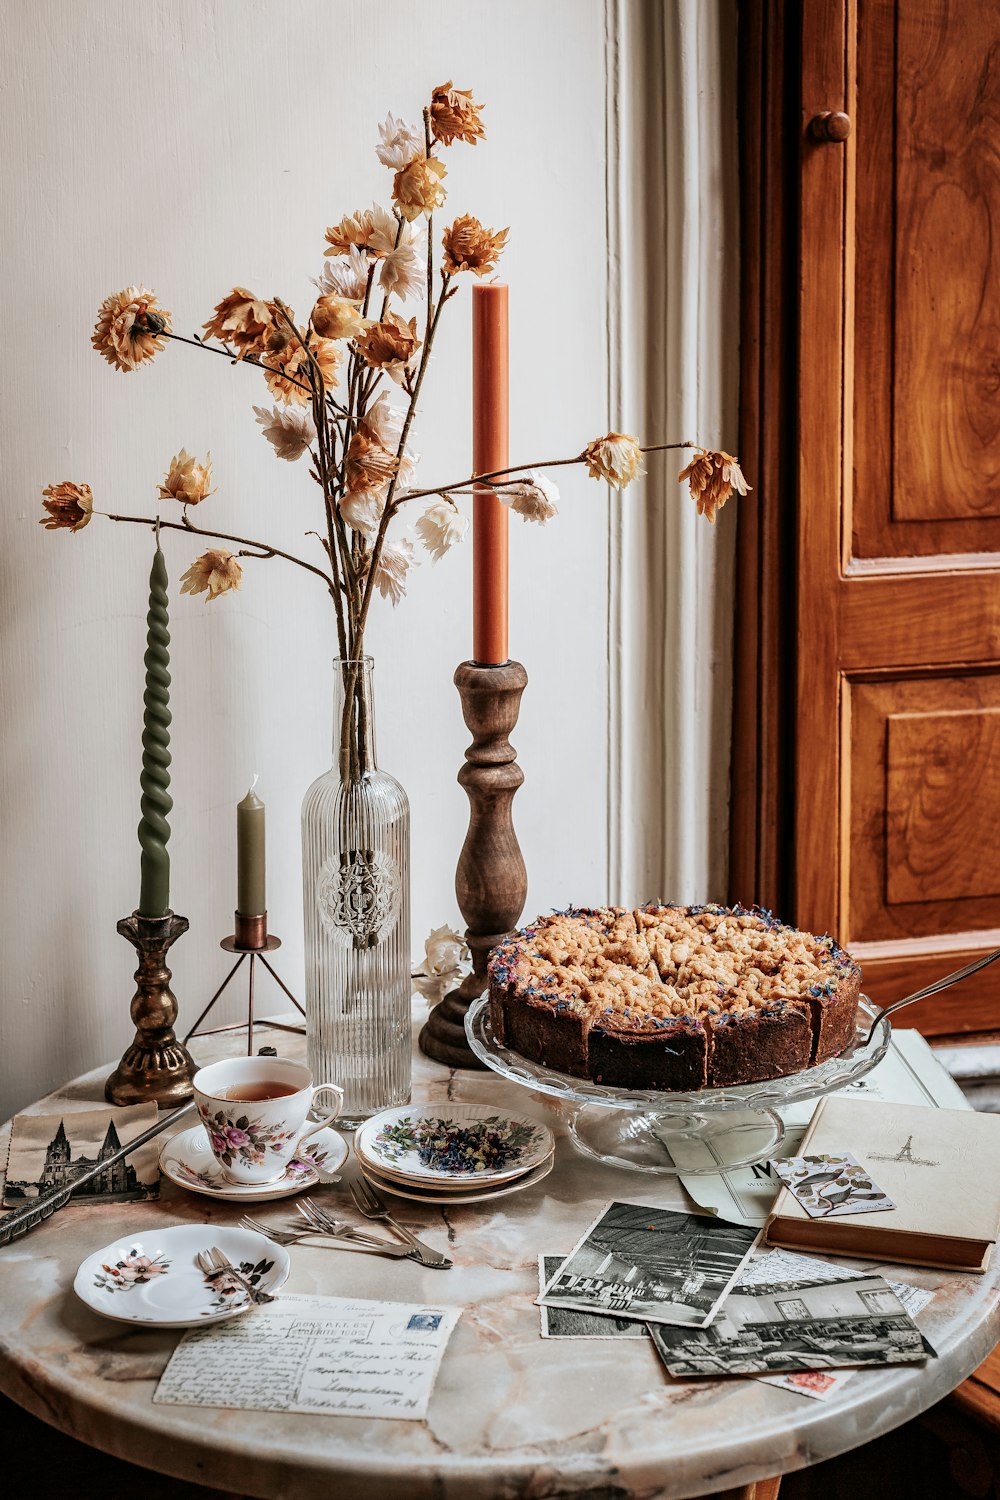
[436, 1143]
[475, 1192]
[187, 1160]
[152, 1277]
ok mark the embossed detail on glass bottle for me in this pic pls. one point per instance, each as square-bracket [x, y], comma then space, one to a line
[358, 895]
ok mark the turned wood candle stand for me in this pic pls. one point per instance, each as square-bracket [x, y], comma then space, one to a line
[491, 882]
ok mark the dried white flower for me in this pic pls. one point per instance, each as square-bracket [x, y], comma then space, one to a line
[398, 144]
[386, 422]
[440, 527]
[404, 271]
[393, 565]
[383, 229]
[447, 961]
[363, 510]
[533, 497]
[289, 429]
[346, 276]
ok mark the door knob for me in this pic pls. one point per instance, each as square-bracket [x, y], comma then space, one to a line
[830, 125]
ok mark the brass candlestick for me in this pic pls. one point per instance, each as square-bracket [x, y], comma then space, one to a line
[156, 1066]
[250, 940]
[491, 882]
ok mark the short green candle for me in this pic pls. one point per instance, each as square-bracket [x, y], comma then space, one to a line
[154, 830]
[250, 897]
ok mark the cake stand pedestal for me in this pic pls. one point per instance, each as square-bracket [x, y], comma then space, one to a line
[740, 1125]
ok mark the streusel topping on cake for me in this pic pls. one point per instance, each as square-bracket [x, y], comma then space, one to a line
[589, 987]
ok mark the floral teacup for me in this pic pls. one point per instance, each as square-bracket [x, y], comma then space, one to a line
[258, 1114]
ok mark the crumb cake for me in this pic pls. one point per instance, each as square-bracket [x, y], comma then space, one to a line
[672, 997]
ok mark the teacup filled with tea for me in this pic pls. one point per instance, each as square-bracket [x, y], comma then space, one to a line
[259, 1113]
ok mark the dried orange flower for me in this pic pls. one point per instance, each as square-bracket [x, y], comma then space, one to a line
[288, 381]
[368, 465]
[214, 573]
[338, 318]
[470, 247]
[712, 477]
[416, 189]
[616, 458]
[455, 116]
[390, 345]
[187, 480]
[241, 319]
[373, 229]
[69, 506]
[129, 328]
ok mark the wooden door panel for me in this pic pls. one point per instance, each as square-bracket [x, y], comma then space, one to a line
[923, 799]
[927, 291]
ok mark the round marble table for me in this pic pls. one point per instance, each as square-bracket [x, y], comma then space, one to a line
[512, 1415]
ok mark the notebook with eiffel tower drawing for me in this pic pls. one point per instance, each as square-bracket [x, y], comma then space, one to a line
[939, 1167]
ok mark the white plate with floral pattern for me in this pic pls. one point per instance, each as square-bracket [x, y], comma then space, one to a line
[474, 1194]
[187, 1160]
[152, 1276]
[437, 1143]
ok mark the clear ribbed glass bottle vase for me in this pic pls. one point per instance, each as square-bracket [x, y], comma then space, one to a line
[356, 886]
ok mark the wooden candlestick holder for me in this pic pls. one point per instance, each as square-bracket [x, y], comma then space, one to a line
[156, 1066]
[491, 882]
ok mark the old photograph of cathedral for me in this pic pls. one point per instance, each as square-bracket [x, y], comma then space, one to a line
[51, 1151]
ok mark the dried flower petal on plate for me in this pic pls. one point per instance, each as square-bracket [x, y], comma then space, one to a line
[455, 116]
[187, 480]
[214, 573]
[533, 497]
[70, 506]
[242, 320]
[712, 477]
[417, 188]
[288, 429]
[616, 458]
[130, 327]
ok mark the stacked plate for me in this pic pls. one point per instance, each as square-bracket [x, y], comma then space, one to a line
[454, 1153]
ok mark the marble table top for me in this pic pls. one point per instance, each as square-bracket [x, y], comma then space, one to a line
[512, 1415]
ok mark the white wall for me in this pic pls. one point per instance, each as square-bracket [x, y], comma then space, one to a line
[198, 144]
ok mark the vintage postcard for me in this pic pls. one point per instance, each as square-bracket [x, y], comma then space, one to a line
[332, 1355]
[830, 1184]
[51, 1151]
[567, 1323]
[769, 1326]
[653, 1265]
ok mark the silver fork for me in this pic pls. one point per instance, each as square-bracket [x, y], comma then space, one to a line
[322, 1240]
[368, 1202]
[212, 1263]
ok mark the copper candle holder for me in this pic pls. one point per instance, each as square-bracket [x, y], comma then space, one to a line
[252, 940]
[491, 882]
[156, 1066]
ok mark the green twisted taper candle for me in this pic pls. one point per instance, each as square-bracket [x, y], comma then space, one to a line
[154, 830]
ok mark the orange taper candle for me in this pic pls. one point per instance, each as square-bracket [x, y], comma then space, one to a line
[489, 453]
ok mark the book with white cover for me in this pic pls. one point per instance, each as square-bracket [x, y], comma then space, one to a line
[941, 1167]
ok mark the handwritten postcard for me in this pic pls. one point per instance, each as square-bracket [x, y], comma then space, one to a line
[316, 1354]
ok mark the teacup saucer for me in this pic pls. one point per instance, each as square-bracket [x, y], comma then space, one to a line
[152, 1277]
[187, 1160]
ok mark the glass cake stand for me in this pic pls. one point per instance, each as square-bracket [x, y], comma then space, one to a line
[634, 1128]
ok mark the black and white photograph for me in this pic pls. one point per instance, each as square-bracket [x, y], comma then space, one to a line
[651, 1264]
[51, 1151]
[793, 1325]
[568, 1323]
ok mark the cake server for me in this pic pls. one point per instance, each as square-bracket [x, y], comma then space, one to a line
[933, 989]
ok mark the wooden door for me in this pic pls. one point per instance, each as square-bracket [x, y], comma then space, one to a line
[867, 746]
